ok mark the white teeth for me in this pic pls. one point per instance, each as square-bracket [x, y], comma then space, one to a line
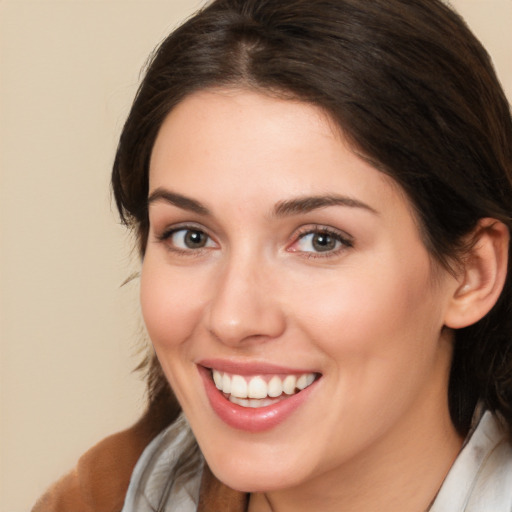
[253, 403]
[275, 386]
[254, 391]
[217, 378]
[302, 382]
[305, 380]
[226, 384]
[238, 386]
[257, 388]
[289, 384]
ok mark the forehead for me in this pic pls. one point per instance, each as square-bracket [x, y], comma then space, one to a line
[239, 120]
[245, 147]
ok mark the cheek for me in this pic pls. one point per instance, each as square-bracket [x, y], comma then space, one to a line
[170, 305]
[375, 311]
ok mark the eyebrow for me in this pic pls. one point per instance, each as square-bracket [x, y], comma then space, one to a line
[309, 203]
[286, 208]
[183, 202]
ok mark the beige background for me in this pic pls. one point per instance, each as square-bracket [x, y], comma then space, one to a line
[69, 333]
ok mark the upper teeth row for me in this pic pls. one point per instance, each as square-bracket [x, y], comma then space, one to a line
[257, 387]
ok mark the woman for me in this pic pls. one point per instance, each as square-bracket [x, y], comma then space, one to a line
[322, 196]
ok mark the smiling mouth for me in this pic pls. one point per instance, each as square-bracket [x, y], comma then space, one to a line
[260, 390]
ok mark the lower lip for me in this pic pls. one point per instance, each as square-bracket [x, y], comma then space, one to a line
[248, 418]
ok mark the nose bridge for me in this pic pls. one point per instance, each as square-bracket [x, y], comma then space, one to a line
[242, 306]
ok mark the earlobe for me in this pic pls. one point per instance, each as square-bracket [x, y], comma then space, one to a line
[482, 275]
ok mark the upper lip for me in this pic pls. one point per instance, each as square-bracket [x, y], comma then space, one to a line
[250, 367]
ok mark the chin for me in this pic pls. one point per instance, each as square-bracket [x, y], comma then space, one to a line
[248, 475]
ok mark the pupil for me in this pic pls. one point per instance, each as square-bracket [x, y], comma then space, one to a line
[194, 239]
[323, 242]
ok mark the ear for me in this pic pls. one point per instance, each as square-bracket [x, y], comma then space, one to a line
[482, 276]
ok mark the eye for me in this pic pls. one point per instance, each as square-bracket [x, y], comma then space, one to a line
[321, 240]
[187, 239]
[318, 242]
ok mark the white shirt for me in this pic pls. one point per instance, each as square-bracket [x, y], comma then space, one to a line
[167, 476]
[480, 479]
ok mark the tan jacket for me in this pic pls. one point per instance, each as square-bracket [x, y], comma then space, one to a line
[100, 480]
[101, 477]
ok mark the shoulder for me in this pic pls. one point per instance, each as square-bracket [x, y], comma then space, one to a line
[168, 473]
[481, 477]
[100, 479]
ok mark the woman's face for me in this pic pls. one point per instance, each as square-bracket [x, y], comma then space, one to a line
[277, 259]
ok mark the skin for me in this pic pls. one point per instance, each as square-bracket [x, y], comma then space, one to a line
[368, 314]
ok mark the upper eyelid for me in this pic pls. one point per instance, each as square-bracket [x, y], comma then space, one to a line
[164, 238]
[320, 228]
[173, 228]
[298, 233]
[161, 220]
[302, 230]
[346, 240]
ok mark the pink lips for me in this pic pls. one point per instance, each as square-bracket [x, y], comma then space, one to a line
[246, 418]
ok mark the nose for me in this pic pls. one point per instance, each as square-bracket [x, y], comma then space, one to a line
[244, 308]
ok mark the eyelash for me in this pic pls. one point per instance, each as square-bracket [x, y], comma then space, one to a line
[344, 240]
[166, 235]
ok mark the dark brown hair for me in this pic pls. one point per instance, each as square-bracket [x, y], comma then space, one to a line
[411, 88]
